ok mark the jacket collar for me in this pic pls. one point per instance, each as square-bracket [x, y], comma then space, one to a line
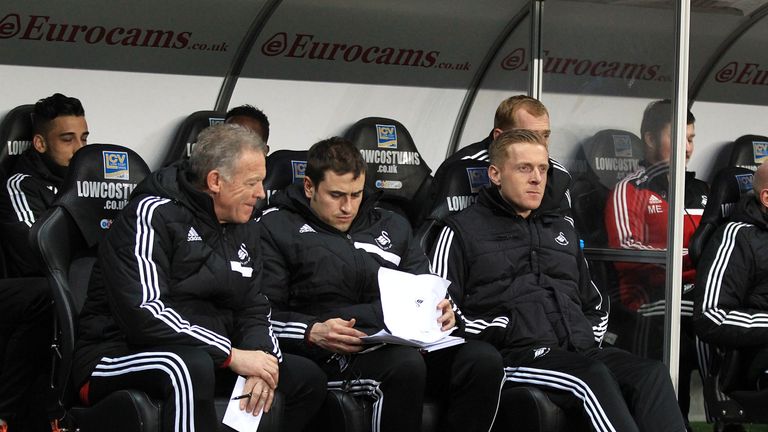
[293, 199]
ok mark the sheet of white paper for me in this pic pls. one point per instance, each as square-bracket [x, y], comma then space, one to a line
[240, 421]
[409, 303]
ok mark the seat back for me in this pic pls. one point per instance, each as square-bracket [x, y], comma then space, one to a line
[454, 190]
[607, 157]
[729, 185]
[284, 168]
[15, 136]
[186, 135]
[749, 151]
[98, 182]
[395, 165]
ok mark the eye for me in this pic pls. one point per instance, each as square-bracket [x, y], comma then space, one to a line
[524, 168]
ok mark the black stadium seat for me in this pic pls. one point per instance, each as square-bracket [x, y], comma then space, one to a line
[395, 165]
[15, 136]
[284, 168]
[729, 185]
[608, 156]
[455, 189]
[186, 134]
[65, 239]
[748, 151]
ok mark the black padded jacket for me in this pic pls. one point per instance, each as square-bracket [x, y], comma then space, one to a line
[168, 273]
[520, 282]
[314, 272]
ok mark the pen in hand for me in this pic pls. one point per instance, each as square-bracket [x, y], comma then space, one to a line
[247, 395]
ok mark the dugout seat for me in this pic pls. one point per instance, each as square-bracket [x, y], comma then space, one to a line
[395, 165]
[748, 151]
[604, 159]
[284, 168]
[454, 190]
[15, 136]
[66, 238]
[186, 134]
[727, 397]
[607, 157]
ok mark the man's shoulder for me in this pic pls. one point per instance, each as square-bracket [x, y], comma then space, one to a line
[478, 151]
[281, 222]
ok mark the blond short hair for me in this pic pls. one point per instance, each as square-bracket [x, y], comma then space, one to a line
[505, 113]
[498, 149]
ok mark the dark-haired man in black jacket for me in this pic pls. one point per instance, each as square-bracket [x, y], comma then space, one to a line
[522, 282]
[324, 244]
[60, 129]
[175, 298]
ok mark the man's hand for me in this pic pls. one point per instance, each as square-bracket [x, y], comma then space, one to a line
[261, 393]
[255, 364]
[447, 320]
[337, 335]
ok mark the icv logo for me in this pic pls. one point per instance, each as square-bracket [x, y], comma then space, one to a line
[298, 168]
[115, 165]
[386, 136]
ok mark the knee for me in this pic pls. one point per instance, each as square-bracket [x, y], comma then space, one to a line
[199, 369]
[476, 358]
[596, 371]
[655, 374]
[407, 366]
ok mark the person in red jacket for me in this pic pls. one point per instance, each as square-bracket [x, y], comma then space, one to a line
[636, 218]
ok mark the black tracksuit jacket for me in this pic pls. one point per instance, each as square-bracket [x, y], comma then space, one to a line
[731, 304]
[314, 272]
[168, 273]
[28, 192]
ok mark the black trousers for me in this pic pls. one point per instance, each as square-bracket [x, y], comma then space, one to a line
[26, 327]
[466, 379]
[184, 378]
[649, 342]
[617, 390]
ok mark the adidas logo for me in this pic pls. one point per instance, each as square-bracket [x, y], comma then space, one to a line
[306, 229]
[192, 235]
[654, 200]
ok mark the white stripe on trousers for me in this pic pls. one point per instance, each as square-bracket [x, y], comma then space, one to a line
[167, 362]
[570, 383]
[364, 387]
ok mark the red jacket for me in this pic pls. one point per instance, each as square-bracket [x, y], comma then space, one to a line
[636, 218]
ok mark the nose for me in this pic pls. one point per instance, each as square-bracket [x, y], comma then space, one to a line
[259, 192]
[345, 204]
[689, 147]
[536, 176]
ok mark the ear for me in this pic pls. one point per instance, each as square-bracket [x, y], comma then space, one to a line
[764, 197]
[309, 188]
[496, 132]
[39, 143]
[213, 181]
[495, 175]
